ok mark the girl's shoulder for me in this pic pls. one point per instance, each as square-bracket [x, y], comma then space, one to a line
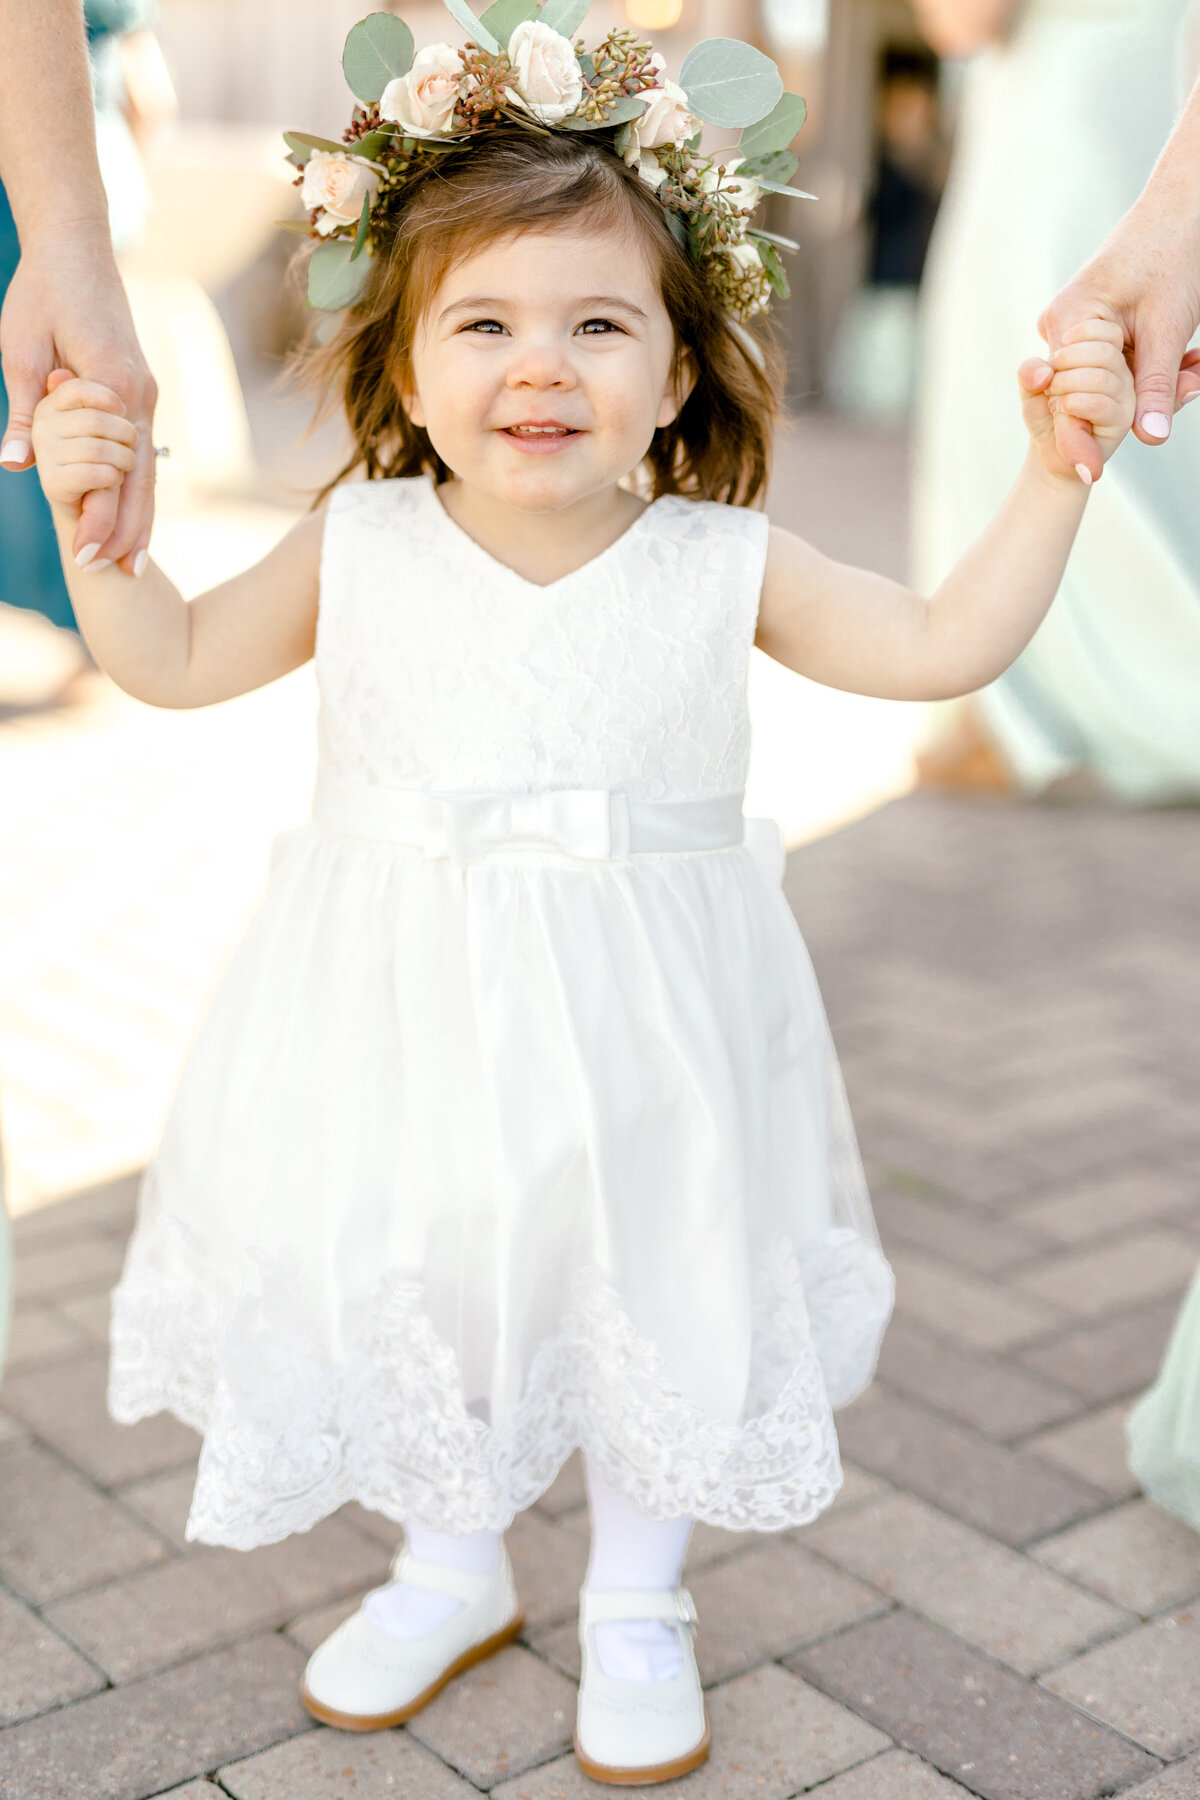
[377, 499]
[711, 521]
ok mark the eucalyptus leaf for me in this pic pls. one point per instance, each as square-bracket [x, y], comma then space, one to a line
[302, 146]
[631, 107]
[502, 18]
[623, 139]
[565, 16]
[776, 165]
[777, 130]
[378, 50]
[776, 273]
[729, 83]
[369, 147]
[772, 237]
[775, 187]
[360, 236]
[474, 28]
[332, 281]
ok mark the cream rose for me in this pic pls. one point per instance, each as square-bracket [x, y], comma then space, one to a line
[549, 79]
[650, 169]
[423, 100]
[666, 120]
[746, 256]
[339, 184]
[739, 189]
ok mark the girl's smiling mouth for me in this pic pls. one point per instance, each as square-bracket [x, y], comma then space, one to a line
[541, 437]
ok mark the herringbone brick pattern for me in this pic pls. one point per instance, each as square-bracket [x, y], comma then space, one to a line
[990, 1608]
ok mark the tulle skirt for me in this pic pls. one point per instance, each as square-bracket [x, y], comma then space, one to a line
[472, 1166]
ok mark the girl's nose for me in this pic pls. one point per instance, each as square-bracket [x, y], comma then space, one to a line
[540, 366]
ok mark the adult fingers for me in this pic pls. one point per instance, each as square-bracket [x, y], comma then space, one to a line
[1189, 379]
[25, 383]
[1159, 345]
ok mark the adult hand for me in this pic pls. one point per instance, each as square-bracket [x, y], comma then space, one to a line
[1146, 279]
[66, 307]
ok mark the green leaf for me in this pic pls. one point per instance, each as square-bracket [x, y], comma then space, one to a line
[677, 228]
[300, 225]
[370, 146]
[332, 282]
[502, 18]
[772, 237]
[474, 28]
[777, 130]
[775, 187]
[776, 273]
[565, 15]
[776, 165]
[378, 49]
[632, 107]
[360, 236]
[729, 83]
[302, 146]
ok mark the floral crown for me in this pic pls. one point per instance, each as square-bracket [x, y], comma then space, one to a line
[522, 66]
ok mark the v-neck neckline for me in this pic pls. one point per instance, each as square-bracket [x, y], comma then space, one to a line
[537, 587]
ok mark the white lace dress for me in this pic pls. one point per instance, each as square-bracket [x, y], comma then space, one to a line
[483, 1154]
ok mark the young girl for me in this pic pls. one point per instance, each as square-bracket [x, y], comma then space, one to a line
[515, 1125]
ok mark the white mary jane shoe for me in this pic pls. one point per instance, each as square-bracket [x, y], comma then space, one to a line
[364, 1679]
[633, 1733]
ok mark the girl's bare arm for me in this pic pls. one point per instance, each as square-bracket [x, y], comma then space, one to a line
[160, 648]
[851, 629]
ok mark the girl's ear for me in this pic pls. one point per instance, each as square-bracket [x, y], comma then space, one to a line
[683, 380]
[410, 400]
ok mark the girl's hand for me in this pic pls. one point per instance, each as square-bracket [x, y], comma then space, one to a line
[82, 441]
[1087, 379]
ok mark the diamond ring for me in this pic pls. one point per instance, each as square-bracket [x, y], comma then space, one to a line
[162, 449]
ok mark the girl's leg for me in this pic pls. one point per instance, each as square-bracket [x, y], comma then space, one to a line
[631, 1550]
[410, 1612]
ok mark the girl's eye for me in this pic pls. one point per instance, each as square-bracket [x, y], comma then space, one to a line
[599, 326]
[491, 326]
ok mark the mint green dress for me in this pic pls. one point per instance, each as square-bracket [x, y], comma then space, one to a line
[1060, 127]
[1164, 1428]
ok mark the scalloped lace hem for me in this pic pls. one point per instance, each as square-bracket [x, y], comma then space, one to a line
[289, 1437]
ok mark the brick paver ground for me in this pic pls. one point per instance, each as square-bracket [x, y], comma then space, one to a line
[990, 1608]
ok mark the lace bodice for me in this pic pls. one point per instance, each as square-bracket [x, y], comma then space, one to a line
[441, 668]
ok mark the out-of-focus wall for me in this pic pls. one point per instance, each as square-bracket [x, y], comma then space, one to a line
[279, 61]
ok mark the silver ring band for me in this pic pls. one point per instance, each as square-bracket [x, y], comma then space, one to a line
[162, 449]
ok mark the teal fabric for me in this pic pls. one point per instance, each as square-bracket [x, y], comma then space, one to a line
[1164, 1427]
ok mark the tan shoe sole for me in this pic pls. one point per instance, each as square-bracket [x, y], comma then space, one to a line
[384, 1721]
[671, 1771]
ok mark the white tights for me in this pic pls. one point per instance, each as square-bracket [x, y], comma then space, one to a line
[629, 1550]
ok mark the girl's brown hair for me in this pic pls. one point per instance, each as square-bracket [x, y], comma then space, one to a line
[512, 181]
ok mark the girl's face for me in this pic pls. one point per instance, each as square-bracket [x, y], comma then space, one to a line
[544, 366]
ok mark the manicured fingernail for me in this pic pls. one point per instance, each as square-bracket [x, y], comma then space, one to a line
[14, 452]
[105, 562]
[1156, 425]
[1084, 474]
[86, 555]
[140, 561]
[1043, 371]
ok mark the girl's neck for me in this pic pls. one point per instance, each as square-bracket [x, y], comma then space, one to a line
[541, 547]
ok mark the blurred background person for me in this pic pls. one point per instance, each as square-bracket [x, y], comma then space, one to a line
[874, 361]
[1106, 700]
[134, 101]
